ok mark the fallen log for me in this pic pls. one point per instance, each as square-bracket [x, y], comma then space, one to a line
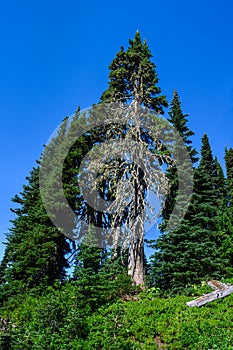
[221, 290]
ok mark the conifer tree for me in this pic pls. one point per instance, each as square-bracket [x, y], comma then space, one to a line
[179, 120]
[189, 253]
[229, 169]
[219, 182]
[225, 217]
[98, 277]
[133, 79]
[36, 251]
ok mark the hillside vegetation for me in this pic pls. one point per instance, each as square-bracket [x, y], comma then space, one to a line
[62, 320]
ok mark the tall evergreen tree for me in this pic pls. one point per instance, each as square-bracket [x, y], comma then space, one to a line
[225, 217]
[133, 79]
[98, 277]
[36, 250]
[179, 120]
[189, 253]
[229, 169]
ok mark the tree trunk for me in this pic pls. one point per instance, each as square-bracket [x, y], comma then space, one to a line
[136, 250]
[136, 256]
[116, 242]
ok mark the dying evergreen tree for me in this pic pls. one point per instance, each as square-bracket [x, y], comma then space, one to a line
[189, 253]
[133, 80]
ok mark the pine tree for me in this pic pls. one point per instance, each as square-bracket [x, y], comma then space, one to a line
[133, 79]
[179, 120]
[3, 265]
[225, 215]
[165, 255]
[189, 253]
[219, 182]
[229, 169]
[36, 251]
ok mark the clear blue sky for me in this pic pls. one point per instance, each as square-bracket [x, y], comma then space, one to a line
[54, 56]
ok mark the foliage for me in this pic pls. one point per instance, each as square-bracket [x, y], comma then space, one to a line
[35, 249]
[189, 253]
[62, 319]
[133, 76]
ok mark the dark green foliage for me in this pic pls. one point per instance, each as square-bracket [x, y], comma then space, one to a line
[35, 249]
[171, 246]
[179, 121]
[100, 277]
[189, 253]
[229, 170]
[133, 76]
[225, 216]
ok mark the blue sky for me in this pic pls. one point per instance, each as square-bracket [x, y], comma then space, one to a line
[55, 54]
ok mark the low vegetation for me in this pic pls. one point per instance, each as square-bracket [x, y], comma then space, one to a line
[62, 319]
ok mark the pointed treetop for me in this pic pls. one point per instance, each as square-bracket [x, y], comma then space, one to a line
[206, 151]
[179, 121]
[133, 77]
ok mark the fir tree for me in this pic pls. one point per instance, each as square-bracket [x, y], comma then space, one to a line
[133, 79]
[229, 169]
[189, 253]
[36, 250]
[225, 217]
[179, 120]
